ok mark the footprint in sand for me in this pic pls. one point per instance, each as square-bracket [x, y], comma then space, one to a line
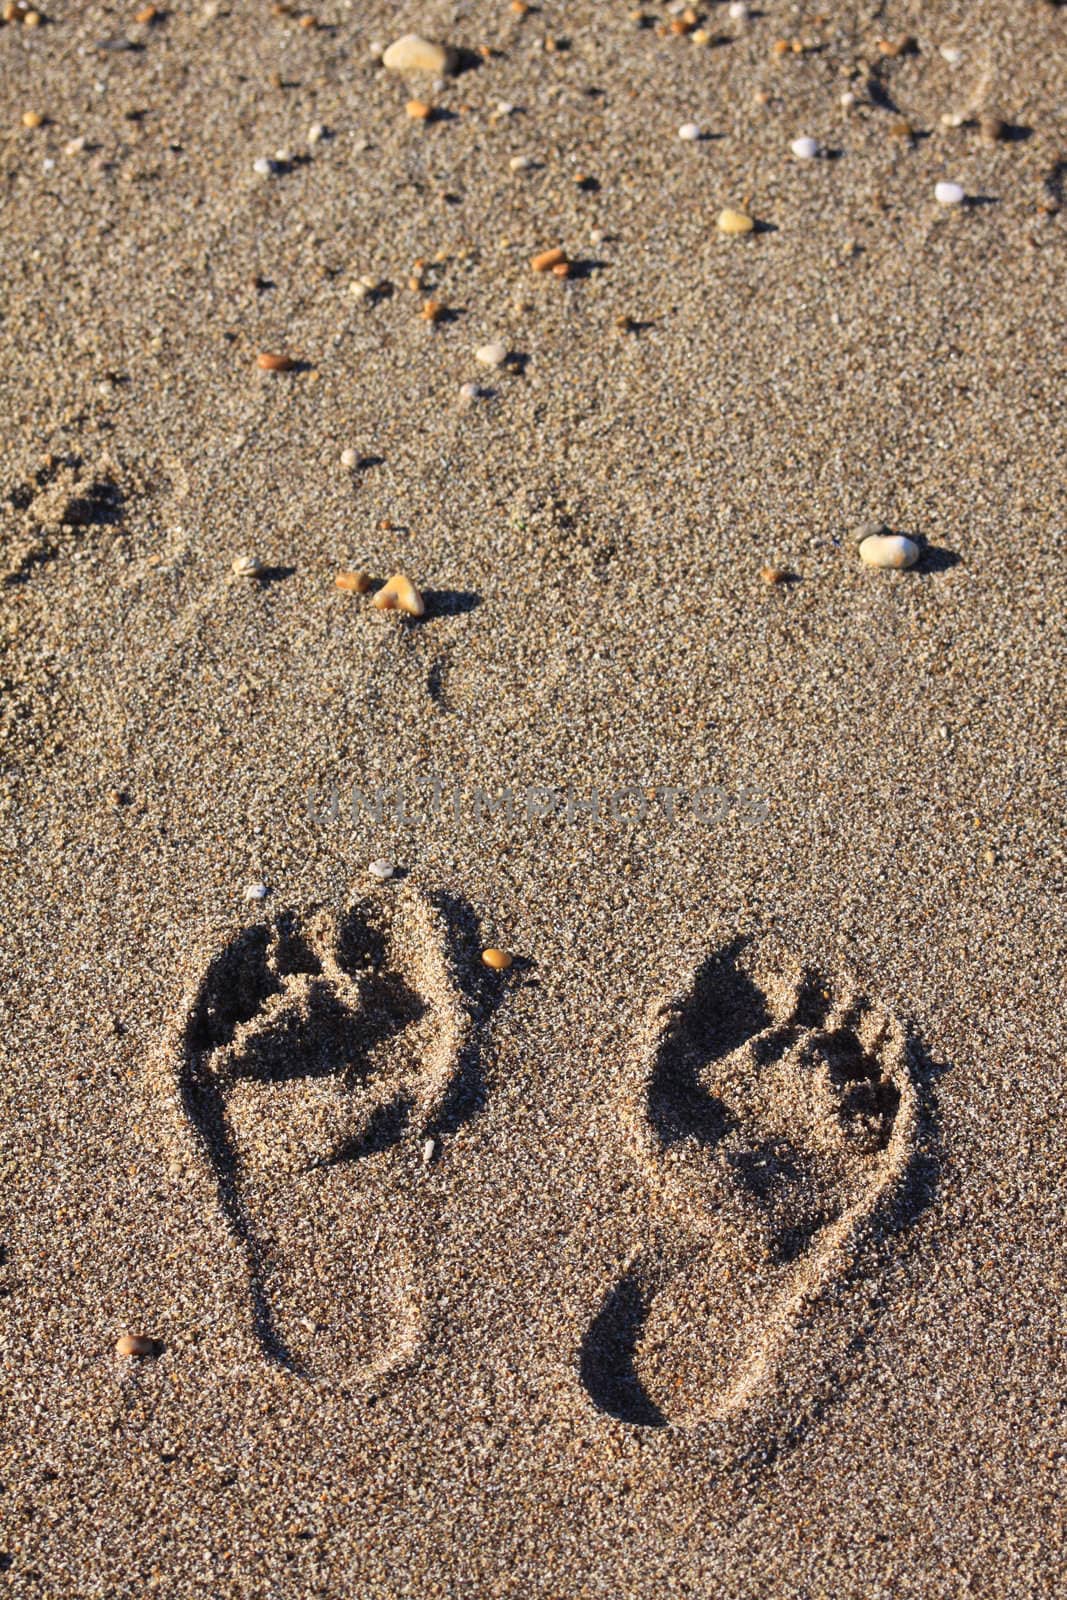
[317, 1056]
[775, 1116]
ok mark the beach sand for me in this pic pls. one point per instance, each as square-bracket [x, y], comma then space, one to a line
[715, 1246]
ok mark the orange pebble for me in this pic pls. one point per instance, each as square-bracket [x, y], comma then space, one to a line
[268, 363]
[399, 594]
[353, 582]
[133, 1344]
[419, 110]
[548, 259]
[499, 960]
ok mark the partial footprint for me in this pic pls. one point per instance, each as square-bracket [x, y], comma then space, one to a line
[775, 1116]
[316, 1057]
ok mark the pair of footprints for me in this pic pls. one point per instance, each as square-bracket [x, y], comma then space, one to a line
[772, 1116]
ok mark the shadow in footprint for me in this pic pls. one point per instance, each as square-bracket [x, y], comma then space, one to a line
[724, 1010]
[607, 1360]
[484, 990]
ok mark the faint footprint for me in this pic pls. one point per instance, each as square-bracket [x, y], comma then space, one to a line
[316, 1056]
[775, 1116]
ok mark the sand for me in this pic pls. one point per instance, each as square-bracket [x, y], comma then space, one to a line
[715, 1246]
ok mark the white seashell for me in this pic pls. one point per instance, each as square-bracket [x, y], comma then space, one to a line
[889, 550]
[246, 566]
[381, 869]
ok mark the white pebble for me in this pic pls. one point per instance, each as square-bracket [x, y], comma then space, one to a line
[951, 54]
[381, 869]
[520, 163]
[504, 108]
[949, 194]
[262, 166]
[689, 131]
[739, 10]
[246, 566]
[889, 550]
[491, 355]
[375, 50]
[348, 457]
[316, 132]
[255, 891]
[469, 391]
[414, 54]
[429, 1150]
[848, 100]
[284, 156]
[804, 149]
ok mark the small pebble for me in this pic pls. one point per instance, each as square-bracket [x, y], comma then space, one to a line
[491, 355]
[469, 392]
[263, 167]
[773, 574]
[429, 1150]
[32, 119]
[992, 129]
[348, 457]
[739, 10]
[499, 960]
[949, 194]
[520, 163]
[889, 550]
[316, 133]
[352, 582]
[381, 869]
[274, 363]
[399, 594]
[804, 149]
[689, 131]
[133, 1344]
[415, 54]
[734, 222]
[246, 566]
[419, 110]
[951, 55]
[255, 891]
[548, 259]
[433, 310]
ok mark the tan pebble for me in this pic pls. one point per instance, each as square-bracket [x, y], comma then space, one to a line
[548, 259]
[146, 14]
[419, 110]
[433, 311]
[415, 54]
[491, 355]
[399, 594]
[246, 567]
[773, 574]
[32, 19]
[562, 269]
[272, 363]
[992, 129]
[32, 119]
[734, 222]
[889, 550]
[499, 960]
[353, 582]
[134, 1344]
